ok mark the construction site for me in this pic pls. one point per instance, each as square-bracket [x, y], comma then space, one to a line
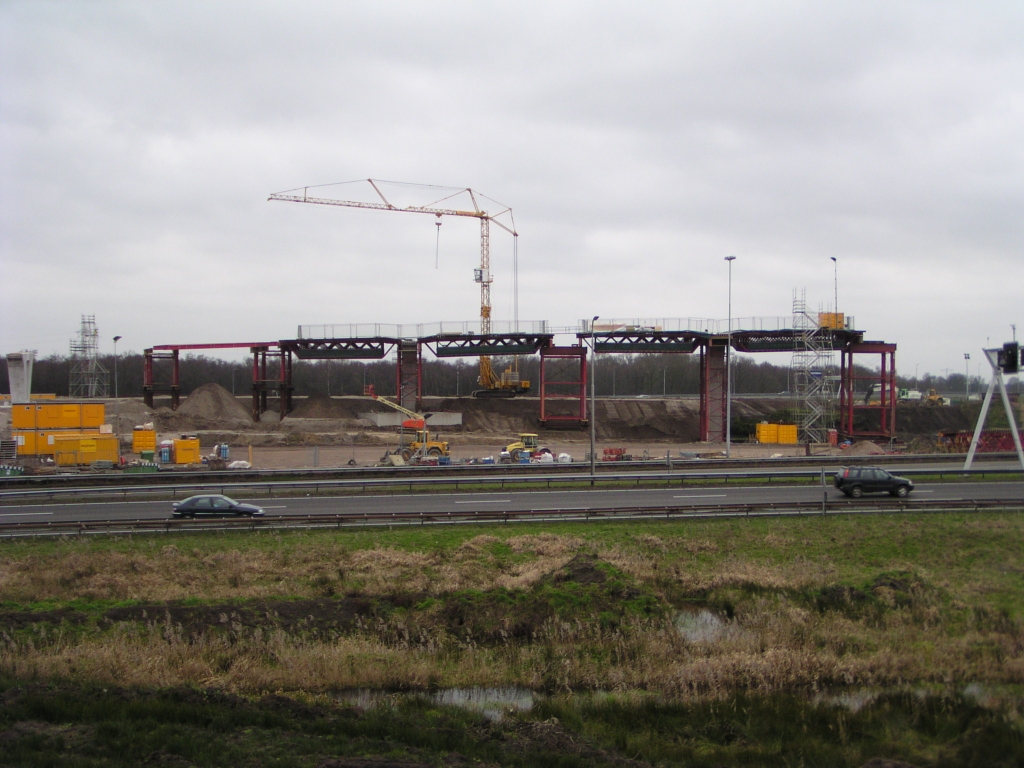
[843, 392]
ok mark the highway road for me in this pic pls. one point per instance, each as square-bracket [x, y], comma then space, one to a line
[517, 501]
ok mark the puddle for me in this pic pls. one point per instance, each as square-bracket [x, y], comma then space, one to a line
[492, 703]
[699, 625]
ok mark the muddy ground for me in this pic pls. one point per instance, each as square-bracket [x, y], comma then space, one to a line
[331, 432]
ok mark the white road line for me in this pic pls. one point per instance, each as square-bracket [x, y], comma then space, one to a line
[486, 501]
[283, 506]
[25, 514]
[705, 496]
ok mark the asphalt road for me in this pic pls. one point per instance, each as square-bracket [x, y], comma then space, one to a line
[555, 500]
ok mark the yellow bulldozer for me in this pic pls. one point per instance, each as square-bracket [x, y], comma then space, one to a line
[527, 445]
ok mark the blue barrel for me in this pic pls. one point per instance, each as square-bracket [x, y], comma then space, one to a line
[224, 451]
[165, 454]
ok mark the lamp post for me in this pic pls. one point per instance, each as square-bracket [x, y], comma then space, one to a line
[835, 287]
[593, 411]
[728, 370]
[967, 376]
[117, 402]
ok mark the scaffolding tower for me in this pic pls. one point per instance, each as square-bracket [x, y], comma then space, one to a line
[88, 377]
[813, 374]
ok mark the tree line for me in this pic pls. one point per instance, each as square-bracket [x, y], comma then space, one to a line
[616, 375]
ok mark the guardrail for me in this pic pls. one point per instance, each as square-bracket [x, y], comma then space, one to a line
[390, 519]
[170, 477]
[453, 483]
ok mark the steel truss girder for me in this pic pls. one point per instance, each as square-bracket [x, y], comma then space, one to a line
[340, 349]
[643, 341]
[475, 345]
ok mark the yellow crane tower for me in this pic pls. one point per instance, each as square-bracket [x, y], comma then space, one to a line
[508, 384]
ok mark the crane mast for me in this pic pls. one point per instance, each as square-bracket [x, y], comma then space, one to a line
[482, 275]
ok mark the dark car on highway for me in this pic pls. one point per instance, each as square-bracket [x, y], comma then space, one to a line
[856, 481]
[214, 505]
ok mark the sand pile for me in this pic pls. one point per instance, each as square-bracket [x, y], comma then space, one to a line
[127, 414]
[321, 407]
[864, 448]
[212, 402]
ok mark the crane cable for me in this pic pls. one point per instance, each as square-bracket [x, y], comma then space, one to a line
[437, 246]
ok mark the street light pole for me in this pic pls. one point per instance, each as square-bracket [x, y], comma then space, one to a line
[593, 410]
[117, 402]
[967, 376]
[835, 287]
[728, 370]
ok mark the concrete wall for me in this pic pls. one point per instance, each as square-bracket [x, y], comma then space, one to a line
[396, 419]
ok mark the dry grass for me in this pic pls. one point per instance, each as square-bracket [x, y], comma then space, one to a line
[958, 618]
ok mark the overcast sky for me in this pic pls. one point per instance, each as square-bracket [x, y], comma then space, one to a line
[637, 144]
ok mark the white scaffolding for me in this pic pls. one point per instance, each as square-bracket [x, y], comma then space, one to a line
[88, 377]
[812, 369]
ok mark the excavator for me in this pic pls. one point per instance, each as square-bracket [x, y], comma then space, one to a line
[508, 384]
[422, 445]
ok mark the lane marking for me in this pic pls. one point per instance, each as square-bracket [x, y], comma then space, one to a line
[25, 514]
[705, 496]
[283, 506]
[486, 501]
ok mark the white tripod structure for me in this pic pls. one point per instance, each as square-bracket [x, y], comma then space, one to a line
[997, 376]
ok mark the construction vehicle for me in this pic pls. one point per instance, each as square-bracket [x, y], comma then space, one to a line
[933, 398]
[422, 445]
[507, 385]
[527, 445]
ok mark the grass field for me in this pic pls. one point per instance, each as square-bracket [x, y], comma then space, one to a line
[926, 613]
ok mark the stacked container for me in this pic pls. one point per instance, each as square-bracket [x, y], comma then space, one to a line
[37, 426]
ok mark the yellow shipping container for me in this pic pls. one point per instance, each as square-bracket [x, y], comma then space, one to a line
[143, 440]
[93, 414]
[767, 433]
[23, 417]
[787, 434]
[71, 450]
[186, 451]
[45, 438]
[71, 415]
[48, 416]
[26, 442]
[834, 320]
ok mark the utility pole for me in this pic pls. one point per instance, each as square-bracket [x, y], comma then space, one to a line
[593, 400]
[728, 370]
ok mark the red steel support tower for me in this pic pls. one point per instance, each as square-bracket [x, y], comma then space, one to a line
[871, 417]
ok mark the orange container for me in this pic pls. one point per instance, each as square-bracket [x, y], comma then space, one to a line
[72, 450]
[186, 451]
[143, 440]
[23, 417]
[93, 414]
[26, 442]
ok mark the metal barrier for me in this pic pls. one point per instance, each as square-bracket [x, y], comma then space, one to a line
[379, 519]
[456, 483]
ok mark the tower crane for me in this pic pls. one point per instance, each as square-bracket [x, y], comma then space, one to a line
[508, 384]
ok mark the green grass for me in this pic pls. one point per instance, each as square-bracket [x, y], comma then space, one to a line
[75, 725]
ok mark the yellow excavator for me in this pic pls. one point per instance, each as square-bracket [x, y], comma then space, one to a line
[422, 445]
[508, 384]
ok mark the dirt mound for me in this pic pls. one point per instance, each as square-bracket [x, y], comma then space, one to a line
[864, 448]
[213, 402]
[320, 407]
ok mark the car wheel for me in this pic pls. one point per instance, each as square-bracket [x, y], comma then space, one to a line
[901, 492]
[856, 492]
[435, 452]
